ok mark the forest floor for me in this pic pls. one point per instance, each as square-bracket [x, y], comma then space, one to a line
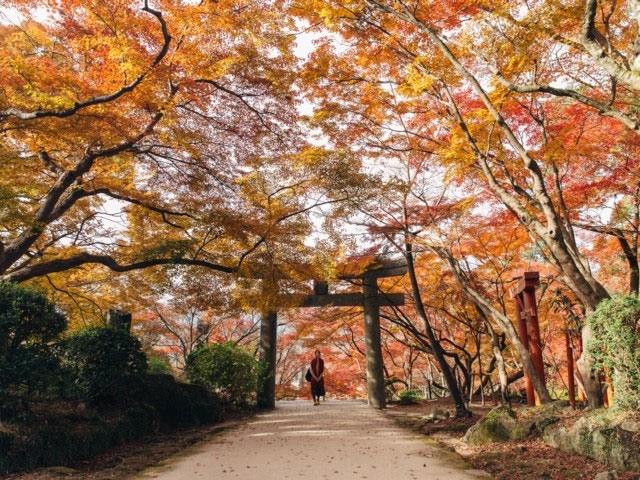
[526, 460]
[339, 439]
[131, 458]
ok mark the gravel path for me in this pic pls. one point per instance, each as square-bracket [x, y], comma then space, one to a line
[336, 440]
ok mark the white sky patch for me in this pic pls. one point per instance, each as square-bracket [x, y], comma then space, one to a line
[305, 43]
[11, 16]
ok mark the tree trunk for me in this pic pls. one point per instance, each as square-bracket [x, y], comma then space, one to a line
[502, 370]
[504, 323]
[632, 260]
[480, 368]
[461, 409]
[555, 235]
[590, 377]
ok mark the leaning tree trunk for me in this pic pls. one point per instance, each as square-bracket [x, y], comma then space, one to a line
[588, 373]
[436, 348]
[505, 324]
[500, 364]
[552, 233]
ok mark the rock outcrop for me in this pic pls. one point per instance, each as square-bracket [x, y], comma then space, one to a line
[502, 424]
[607, 436]
[438, 414]
[537, 419]
[499, 425]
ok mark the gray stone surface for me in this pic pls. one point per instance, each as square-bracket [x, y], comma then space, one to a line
[478, 473]
[439, 414]
[499, 425]
[609, 437]
[606, 476]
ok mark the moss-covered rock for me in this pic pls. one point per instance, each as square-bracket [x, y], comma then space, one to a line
[606, 476]
[499, 425]
[439, 414]
[607, 436]
[540, 417]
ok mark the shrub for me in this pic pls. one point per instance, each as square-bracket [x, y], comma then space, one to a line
[178, 404]
[29, 323]
[410, 397]
[615, 346]
[102, 363]
[61, 441]
[160, 403]
[226, 370]
[157, 365]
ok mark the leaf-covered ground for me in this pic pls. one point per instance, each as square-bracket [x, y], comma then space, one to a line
[527, 460]
[129, 459]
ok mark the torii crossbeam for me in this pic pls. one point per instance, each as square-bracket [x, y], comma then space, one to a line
[370, 298]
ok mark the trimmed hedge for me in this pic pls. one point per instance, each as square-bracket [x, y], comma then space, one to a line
[161, 404]
[64, 440]
[41, 376]
[178, 404]
[157, 365]
[410, 397]
[615, 346]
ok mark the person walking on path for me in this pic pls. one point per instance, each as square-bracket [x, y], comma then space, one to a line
[317, 378]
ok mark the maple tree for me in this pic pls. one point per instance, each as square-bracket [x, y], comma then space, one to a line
[133, 138]
[429, 61]
[188, 147]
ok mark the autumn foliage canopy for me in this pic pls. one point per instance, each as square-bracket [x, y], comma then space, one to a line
[195, 161]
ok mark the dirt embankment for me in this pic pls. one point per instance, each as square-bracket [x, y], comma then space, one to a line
[126, 460]
[529, 459]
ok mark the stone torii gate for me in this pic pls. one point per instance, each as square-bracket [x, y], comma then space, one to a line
[370, 298]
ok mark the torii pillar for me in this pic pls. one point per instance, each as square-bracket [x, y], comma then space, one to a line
[267, 354]
[373, 347]
[529, 328]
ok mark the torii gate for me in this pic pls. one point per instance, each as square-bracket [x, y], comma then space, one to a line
[370, 298]
[524, 296]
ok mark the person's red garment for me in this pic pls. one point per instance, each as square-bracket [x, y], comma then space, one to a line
[317, 377]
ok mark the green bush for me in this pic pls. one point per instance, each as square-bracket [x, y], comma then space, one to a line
[178, 404]
[615, 345]
[410, 397]
[226, 370]
[29, 323]
[102, 363]
[157, 365]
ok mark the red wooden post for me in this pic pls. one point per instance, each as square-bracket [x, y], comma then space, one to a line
[610, 392]
[570, 380]
[525, 294]
[524, 338]
[605, 397]
[531, 279]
